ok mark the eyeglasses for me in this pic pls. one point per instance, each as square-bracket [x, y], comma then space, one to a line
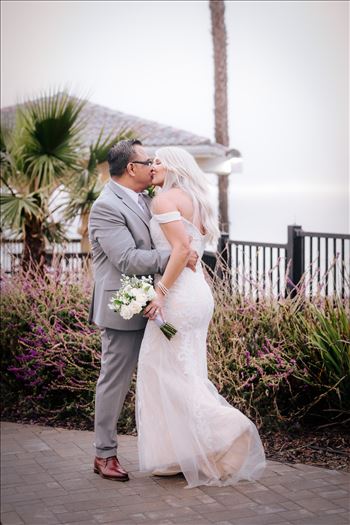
[148, 162]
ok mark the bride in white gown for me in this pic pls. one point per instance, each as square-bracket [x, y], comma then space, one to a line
[183, 424]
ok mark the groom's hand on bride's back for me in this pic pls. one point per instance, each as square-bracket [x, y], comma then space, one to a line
[192, 260]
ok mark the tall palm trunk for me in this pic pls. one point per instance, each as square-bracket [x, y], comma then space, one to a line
[34, 245]
[217, 10]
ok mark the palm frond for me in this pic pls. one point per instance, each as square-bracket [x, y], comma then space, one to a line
[54, 232]
[82, 201]
[5, 148]
[15, 209]
[99, 150]
[51, 128]
[4, 136]
[85, 187]
[13, 178]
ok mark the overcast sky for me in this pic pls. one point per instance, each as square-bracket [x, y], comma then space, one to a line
[288, 89]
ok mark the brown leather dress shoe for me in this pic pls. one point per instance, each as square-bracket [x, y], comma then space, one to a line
[110, 468]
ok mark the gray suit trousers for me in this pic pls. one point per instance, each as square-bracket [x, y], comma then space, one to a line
[120, 351]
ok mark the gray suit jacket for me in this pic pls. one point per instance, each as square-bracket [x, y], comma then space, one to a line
[121, 243]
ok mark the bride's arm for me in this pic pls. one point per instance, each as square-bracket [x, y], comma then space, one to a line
[177, 237]
[179, 240]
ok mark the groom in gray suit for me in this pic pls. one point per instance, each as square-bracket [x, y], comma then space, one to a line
[121, 244]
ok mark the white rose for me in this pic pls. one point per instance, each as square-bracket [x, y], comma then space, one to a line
[141, 297]
[126, 312]
[135, 307]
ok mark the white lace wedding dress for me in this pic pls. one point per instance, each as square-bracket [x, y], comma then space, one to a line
[183, 424]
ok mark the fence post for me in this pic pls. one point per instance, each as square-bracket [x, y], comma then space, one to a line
[224, 254]
[295, 258]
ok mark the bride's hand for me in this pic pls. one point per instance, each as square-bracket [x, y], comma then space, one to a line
[155, 307]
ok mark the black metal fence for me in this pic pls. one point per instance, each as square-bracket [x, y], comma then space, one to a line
[71, 256]
[319, 262]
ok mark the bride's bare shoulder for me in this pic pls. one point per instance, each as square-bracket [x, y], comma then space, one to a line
[166, 201]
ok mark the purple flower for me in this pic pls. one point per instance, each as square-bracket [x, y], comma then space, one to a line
[14, 369]
[278, 359]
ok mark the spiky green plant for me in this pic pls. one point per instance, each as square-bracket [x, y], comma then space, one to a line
[36, 157]
[86, 186]
[330, 339]
[44, 156]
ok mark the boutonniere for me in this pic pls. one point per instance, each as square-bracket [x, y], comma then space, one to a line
[150, 191]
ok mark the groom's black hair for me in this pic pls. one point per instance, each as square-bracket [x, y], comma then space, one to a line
[120, 155]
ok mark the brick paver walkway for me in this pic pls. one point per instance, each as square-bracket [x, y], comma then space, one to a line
[48, 479]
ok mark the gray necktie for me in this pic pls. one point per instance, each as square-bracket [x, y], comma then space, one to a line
[142, 205]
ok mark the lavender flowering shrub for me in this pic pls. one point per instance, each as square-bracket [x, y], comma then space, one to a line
[281, 360]
[278, 360]
[50, 352]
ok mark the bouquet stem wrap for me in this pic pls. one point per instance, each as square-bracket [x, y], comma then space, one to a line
[168, 329]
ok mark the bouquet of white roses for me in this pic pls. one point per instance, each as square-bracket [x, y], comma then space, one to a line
[134, 294]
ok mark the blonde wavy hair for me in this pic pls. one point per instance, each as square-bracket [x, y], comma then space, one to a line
[182, 171]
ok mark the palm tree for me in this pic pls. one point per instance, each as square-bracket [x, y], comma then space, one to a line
[87, 186]
[42, 158]
[36, 158]
[217, 10]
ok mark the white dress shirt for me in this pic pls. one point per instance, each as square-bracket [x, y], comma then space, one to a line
[132, 194]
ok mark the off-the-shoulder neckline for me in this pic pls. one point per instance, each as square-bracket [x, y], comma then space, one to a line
[183, 218]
